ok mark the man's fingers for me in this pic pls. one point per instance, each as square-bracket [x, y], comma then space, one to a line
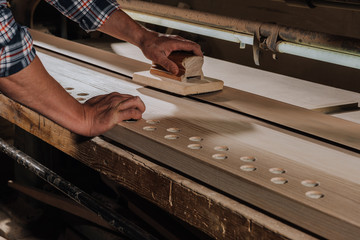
[185, 45]
[197, 51]
[169, 65]
[107, 97]
[127, 114]
[191, 47]
[96, 99]
[133, 102]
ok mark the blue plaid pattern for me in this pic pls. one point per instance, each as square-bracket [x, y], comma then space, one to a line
[16, 45]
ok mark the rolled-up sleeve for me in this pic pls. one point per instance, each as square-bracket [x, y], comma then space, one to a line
[16, 44]
[89, 14]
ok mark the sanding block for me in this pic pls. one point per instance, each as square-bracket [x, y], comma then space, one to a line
[190, 79]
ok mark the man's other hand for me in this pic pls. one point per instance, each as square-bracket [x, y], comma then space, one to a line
[104, 112]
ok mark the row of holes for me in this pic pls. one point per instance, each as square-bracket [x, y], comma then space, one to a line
[245, 168]
[81, 95]
[218, 156]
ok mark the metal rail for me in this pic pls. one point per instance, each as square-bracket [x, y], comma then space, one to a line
[118, 222]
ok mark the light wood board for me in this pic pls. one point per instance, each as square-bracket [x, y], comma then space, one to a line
[127, 59]
[353, 116]
[335, 215]
[314, 123]
[271, 85]
[326, 127]
[122, 64]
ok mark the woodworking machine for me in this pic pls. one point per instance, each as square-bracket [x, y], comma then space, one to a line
[287, 147]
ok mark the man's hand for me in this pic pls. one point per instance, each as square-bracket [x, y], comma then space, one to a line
[155, 46]
[103, 112]
[35, 88]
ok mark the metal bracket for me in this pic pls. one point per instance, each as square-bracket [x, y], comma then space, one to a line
[265, 42]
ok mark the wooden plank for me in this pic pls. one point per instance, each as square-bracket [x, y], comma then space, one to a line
[271, 85]
[253, 182]
[336, 109]
[92, 81]
[215, 214]
[304, 120]
[127, 59]
[353, 116]
[114, 62]
[327, 127]
[301, 158]
[279, 87]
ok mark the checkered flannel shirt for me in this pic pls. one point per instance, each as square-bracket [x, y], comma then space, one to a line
[16, 44]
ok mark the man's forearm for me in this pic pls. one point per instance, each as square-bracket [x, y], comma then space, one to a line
[155, 46]
[121, 26]
[35, 88]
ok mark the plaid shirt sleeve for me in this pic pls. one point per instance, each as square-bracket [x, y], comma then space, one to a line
[16, 50]
[89, 14]
[16, 45]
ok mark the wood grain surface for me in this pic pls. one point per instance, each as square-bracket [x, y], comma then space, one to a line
[327, 127]
[308, 168]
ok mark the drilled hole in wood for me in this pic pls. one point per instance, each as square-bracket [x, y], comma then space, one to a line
[279, 180]
[171, 137]
[248, 159]
[173, 130]
[153, 122]
[196, 139]
[314, 194]
[248, 168]
[82, 94]
[131, 120]
[310, 183]
[80, 99]
[221, 148]
[69, 88]
[149, 128]
[195, 146]
[277, 170]
[219, 156]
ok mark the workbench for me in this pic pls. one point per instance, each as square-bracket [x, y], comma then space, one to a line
[217, 212]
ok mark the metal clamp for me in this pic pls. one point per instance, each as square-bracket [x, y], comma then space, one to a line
[265, 42]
